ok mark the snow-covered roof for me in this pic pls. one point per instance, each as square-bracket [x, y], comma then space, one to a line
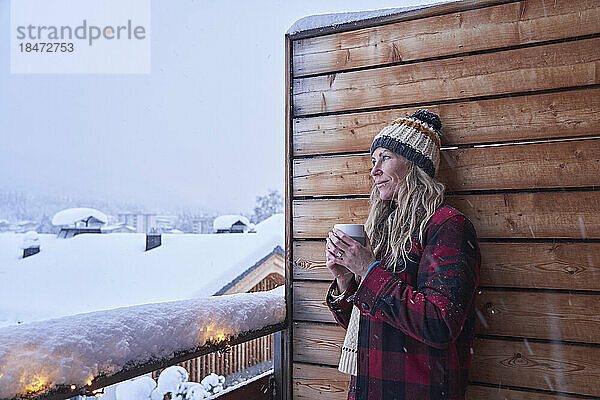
[335, 19]
[226, 221]
[275, 225]
[72, 215]
[107, 271]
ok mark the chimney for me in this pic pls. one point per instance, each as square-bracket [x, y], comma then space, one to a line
[153, 239]
[30, 251]
[31, 244]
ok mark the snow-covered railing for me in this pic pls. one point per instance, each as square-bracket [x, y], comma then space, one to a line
[64, 357]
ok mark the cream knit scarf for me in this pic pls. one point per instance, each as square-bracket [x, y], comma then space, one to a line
[348, 358]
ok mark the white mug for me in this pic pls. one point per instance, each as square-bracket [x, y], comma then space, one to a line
[355, 231]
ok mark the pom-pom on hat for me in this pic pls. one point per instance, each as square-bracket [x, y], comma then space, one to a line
[416, 138]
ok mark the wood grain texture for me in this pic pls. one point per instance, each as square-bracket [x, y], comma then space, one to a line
[309, 302]
[326, 344]
[533, 215]
[526, 166]
[477, 392]
[319, 382]
[553, 316]
[314, 218]
[309, 260]
[571, 113]
[554, 367]
[473, 30]
[571, 266]
[509, 215]
[520, 70]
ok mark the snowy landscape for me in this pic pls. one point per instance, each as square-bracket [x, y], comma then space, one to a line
[90, 304]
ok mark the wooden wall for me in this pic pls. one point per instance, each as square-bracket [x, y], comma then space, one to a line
[517, 86]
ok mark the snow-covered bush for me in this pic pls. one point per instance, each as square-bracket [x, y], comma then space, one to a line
[174, 381]
[137, 388]
[171, 380]
[193, 391]
[213, 383]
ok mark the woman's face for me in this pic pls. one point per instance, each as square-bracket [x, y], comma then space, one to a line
[389, 171]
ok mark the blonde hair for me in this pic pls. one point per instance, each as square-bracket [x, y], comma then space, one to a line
[390, 223]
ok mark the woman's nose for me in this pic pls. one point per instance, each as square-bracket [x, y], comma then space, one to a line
[375, 170]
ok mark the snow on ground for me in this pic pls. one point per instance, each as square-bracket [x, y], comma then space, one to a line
[92, 272]
[329, 20]
[74, 349]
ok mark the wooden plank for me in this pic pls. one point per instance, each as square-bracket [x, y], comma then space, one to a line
[553, 316]
[314, 218]
[309, 260]
[551, 66]
[571, 266]
[319, 382]
[526, 166]
[571, 113]
[420, 12]
[309, 302]
[504, 25]
[509, 215]
[555, 367]
[311, 339]
[477, 392]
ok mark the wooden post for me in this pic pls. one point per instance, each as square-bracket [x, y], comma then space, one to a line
[285, 339]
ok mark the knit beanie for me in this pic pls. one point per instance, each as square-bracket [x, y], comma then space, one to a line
[416, 138]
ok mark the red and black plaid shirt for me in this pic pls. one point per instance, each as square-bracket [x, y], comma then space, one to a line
[416, 327]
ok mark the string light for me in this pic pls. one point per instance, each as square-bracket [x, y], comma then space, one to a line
[219, 343]
[38, 383]
[73, 387]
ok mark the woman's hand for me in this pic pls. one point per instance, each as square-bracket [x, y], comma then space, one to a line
[347, 252]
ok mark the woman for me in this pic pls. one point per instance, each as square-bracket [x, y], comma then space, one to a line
[406, 297]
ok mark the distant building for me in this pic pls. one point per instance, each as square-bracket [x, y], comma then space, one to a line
[75, 221]
[203, 225]
[232, 224]
[141, 222]
[146, 222]
[118, 228]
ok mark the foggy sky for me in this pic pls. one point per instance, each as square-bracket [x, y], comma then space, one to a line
[204, 129]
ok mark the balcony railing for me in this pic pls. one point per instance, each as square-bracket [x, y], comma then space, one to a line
[257, 303]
